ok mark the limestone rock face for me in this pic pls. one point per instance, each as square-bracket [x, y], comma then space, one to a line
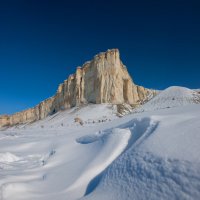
[103, 80]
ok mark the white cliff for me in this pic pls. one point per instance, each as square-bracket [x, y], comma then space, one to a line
[103, 80]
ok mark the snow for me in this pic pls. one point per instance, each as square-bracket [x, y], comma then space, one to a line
[163, 163]
[8, 157]
[111, 146]
[153, 154]
[172, 97]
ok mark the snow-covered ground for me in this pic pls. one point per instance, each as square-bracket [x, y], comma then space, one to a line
[154, 155]
[172, 97]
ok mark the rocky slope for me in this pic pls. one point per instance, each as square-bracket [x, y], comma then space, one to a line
[103, 80]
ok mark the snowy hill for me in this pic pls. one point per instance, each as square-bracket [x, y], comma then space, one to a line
[90, 115]
[172, 97]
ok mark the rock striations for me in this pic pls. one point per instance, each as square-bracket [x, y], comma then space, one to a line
[103, 80]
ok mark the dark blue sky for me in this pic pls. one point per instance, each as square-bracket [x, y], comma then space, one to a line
[42, 42]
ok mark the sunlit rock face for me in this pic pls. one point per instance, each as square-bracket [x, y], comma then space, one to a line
[103, 80]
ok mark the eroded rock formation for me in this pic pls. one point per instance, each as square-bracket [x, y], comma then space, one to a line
[103, 80]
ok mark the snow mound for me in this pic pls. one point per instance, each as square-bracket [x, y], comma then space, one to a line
[171, 97]
[111, 144]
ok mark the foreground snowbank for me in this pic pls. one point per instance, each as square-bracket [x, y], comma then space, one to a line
[164, 165]
[149, 155]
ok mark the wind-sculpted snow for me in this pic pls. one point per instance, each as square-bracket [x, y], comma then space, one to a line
[150, 155]
[91, 138]
[141, 129]
[138, 175]
[6, 160]
[13, 162]
[163, 163]
[111, 145]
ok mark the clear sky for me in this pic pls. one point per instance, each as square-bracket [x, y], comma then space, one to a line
[43, 41]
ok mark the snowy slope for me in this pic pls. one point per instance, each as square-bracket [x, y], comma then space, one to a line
[91, 115]
[172, 97]
[163, 163]
[149, 155]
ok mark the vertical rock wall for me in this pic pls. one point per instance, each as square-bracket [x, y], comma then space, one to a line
[103, 80]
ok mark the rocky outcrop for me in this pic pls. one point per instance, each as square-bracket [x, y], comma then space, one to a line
[103, 80]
